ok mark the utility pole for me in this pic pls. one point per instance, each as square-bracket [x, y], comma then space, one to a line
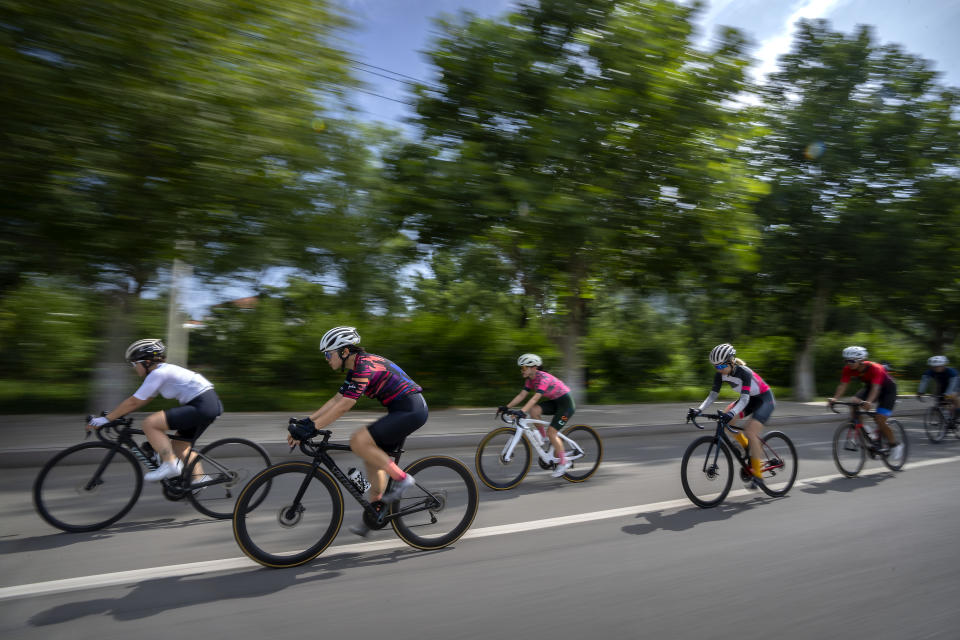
[177, 336]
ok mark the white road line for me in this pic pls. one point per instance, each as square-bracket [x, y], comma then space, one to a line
[228, 564]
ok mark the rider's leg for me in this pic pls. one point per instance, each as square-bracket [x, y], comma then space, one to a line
[378, 464]
[752, 430]
[184, 451]
[885, 429]
[558, 449]
[155, 428]
[537, 413]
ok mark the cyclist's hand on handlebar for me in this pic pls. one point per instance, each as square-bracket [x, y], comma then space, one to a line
[97, 422]
[865, 405]
[502, 409]
[692, 413]
[726, 417]
[302, 429]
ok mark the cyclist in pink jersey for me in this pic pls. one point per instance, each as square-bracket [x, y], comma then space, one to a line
[756, 400]
[557, 402]
[378, 378]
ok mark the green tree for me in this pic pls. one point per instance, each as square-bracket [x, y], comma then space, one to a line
[581, 142]
[855, 133]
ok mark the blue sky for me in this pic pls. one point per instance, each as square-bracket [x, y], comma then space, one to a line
[391, 34]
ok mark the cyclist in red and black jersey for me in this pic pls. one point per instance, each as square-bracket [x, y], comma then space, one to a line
[375, 377]
[879, 389]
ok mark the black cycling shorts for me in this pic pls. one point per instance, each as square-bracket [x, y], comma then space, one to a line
[191, 419]
[886, 399]
[405, 415]
[562, 409]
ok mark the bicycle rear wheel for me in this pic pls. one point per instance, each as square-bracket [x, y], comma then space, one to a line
[447, 489]
[494, 469]
[901, 435]
[935, 424]
[287, 514]
[849, 449]
[706, 471]
[229, 464]
[87, 487]
[779, 464]
[590, 446]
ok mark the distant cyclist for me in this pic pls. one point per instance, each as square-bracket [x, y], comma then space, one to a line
[375, 377]
[756, 400]
[557, 402]
[879, 390]
[199, 406]
[946, 379]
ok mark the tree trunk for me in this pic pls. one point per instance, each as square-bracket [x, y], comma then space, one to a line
[804, 379]
[112, 377]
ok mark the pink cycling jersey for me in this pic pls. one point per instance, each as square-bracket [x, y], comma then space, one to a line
[550, 387]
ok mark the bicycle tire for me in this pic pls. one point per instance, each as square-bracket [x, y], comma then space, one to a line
[589, 441]
[901, 434]
[238, 460]
[495, 472]
[450, 482]
[696, 470]
[779, 464]
[935, 424]
[849, 450]
[61, 495]
[271, 533]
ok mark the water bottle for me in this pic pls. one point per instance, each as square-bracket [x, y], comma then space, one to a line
[357, 478]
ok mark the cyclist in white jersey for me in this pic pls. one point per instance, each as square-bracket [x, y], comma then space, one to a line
[756, 400]
[199, 406]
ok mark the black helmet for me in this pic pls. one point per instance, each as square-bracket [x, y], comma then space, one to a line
[151, 350]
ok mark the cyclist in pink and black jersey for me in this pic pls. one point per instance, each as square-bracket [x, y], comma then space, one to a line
[756, 400]
[375, 377]
[557, 402]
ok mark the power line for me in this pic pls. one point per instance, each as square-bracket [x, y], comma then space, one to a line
[408, 80]
[409, 104]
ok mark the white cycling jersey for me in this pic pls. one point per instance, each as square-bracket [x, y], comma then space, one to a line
[172, 381]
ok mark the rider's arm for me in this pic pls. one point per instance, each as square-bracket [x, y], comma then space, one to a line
[518, 398]
[714, 392]
[839, 392]
[924, 379]
[331, 410]
[130, 404]
[532, 402]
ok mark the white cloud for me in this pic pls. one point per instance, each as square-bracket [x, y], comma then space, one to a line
[775, 46]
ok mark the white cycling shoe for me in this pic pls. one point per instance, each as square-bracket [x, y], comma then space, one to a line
[164, 471]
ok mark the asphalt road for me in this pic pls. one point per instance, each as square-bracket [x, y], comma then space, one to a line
[622, 555]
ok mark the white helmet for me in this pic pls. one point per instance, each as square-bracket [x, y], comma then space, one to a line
[855, 353]
[149, 350]
[339, 337]
[938, 361]
[722, 353]
[529, 360]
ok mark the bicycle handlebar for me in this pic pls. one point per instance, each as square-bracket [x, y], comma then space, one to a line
[692, 417]
[855, 405]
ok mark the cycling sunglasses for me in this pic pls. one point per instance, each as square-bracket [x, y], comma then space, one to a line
[851, 361]
[721, 366]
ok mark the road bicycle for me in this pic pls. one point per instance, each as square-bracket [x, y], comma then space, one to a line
[939, 419]
[852, 442]
[503, 455]
[706, 470]
[302, 512]
[91, 485]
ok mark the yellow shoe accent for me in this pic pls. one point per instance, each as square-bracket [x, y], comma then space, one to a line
[756, 466]
[742, 439]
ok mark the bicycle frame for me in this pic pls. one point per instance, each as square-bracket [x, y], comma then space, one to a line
[526, 428]
[873, 442]
[318, 451]
[743, 460]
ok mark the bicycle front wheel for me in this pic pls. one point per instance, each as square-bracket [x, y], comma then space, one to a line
[849, 450]
[935, 424]
[227, 465]
[901, 436]
[589, 449]
[440, 508]
[493, 467]
[706, 471]
[287, 514]
[779, 464]
[87, 487]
